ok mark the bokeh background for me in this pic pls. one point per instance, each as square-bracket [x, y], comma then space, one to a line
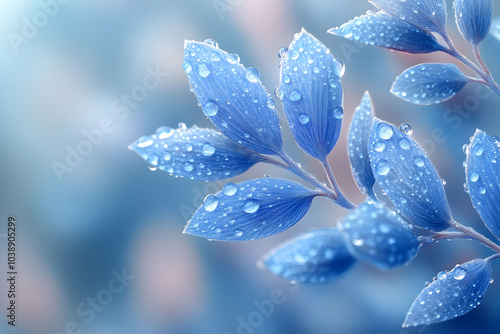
[112, 213]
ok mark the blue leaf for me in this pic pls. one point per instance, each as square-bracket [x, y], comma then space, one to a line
[429, 83]
[451, 294]
[199, 154]
[386, 31]
[379, 236]
[473, 19]
[233, 97]
[483, 178]
[312, 95]
[495, 28]
[251, 210]
[359, 136]
[407, 176]
[429, 15]
[318, 256]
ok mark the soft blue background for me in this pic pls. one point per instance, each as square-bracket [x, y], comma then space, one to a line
[112, 212]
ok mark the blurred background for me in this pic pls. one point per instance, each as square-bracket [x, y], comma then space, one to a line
[109, 216]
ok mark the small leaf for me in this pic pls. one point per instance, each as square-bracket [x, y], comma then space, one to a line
[359, 136]
[233, 97]
[379, 236]
[407, 176]
[473, 19]
[483, 178]
[429, 15]
[495, 28]
[430, 83]
[312, 95]
[318, 256]
[251, 210]
[451, 294]
[198, 154]
[389, 32]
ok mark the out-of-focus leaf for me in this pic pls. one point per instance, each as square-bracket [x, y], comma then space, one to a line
[233, 97]
[318, 256]
[451, 295]
[483, 178]
[495, 28]
[379, 236]
[198, 154]
[407, 176]
[473, 18]
[429, 15]
[251, 210]
[312, 95]
[359, 136]
[429, 83]
[389, 32]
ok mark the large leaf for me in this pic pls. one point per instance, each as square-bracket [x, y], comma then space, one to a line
[318, 256]
[359, 136]
[429, 83]
[473, 18]
[451, 295]
[429, 15]
[380, 29]
[379, 236]
[195, 153]
[312, 95]
[407, 176]
[233, 97]
[251, 210]
[483, 178]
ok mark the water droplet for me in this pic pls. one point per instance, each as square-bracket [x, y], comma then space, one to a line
[385, 131]
[295, 95]
[383, 167]
[464, 148]
[282, 52]
[379, 147]
[496, 140]
[303, 118]
[278, 92]
[441, 275]
[482, 190]
[419, 161]
[188, 167]
[459, 273]
[182, 126]
[210, 203]
[238, 233]
[164, 132]
[477, 149]
[443, 182]
[233, 58]
[339, 68]
[404, 143]
[210, 108]
[203, 70]
[358, 242]
[295, 55]
[338, 113]
[144, 141]
[252, 75]
[211, 42]
[230, 189]
[474, 176]
[152, 168]
[187, 66]
[406, 129]
[250, 206]
[207, 149]
[286, 79]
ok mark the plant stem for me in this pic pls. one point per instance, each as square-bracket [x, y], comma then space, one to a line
[476, 235]
[484, 74]
[299, 171]
[492, 257]
[426, 240]
[333, 183]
